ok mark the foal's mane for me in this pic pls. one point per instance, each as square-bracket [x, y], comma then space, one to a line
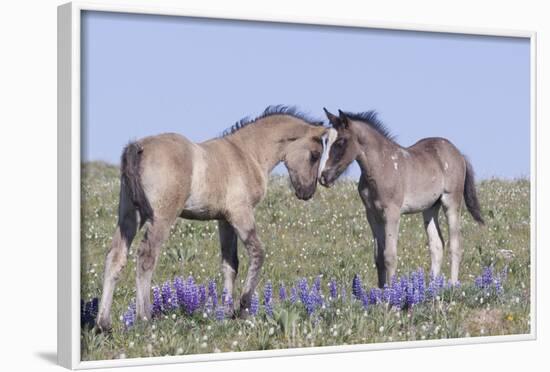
[370, 118]
[271, 111]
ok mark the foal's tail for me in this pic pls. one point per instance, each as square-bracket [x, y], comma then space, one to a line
[131, 180]
[470, 194]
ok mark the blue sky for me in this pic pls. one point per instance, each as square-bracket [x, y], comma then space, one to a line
[145, 74]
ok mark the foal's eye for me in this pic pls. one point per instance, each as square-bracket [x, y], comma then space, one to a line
[315, 155]
[340, 143]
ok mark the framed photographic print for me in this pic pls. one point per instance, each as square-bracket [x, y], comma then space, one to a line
[238, 185]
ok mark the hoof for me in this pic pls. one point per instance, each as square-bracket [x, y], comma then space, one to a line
[242, 314]
[103, 326]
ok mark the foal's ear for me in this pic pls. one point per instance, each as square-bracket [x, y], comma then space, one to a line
[333, 119]
[344, 120]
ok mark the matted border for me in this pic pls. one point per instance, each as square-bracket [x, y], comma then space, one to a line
[69, 121]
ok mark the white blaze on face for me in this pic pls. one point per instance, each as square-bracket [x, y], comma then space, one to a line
[327, 139]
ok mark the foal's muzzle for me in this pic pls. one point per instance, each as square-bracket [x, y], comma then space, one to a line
[305, 193]
[326, 179]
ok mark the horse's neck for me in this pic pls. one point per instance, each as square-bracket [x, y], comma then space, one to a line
[265, 141]
[374, 149]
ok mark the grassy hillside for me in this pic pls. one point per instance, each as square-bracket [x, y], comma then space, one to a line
[327, 236]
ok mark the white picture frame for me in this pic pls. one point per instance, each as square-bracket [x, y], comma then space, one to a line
[69, 142]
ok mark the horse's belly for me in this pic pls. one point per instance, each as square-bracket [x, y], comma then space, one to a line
[418, 202]
[197, 207]
[202, 214]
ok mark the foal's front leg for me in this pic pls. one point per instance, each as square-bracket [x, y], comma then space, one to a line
[379, 238]
[391, 233]
[245, 227]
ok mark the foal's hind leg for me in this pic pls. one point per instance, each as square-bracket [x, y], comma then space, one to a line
[116, 259]
[435, 239]
[244, 225]
[451, 205]
[230, 259]
[148, 254]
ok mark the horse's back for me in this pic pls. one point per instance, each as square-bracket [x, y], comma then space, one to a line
[438, 150]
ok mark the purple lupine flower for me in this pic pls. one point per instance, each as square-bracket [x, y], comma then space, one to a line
[213, 293]
[333, 289]
[435, 286]
[191, 296]
[416, 298]
[478, 282]
[208, 306]
[88, 312]
[87, 307]
[317, 283]
[94, 308]
[83, 319]
[179, 288]
[375, 296]
[268, 296]
[282, 292]
[220, 313]
[157, 301]
[129, 317]
[487, 276]
[269, 309]
[396, 297]
[356, 288]
[307, 298]
[365, 300]
[404, 284]
[431, 291]
[413, 280]
[440, 282]
[316, 296]
[293, 295]
[387, 293]
[174, 300]
[309, 304]
[303, 290]
[268, 292]
[254, 304]
[166, 294]
[193, 291]
[202, 295]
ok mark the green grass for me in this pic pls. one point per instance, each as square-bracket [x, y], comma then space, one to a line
[327, 236]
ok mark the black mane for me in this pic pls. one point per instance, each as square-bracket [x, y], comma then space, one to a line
[270, 111]
[370, 118]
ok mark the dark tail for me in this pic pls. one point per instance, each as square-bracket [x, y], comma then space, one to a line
[131, 179]
[470, 194]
